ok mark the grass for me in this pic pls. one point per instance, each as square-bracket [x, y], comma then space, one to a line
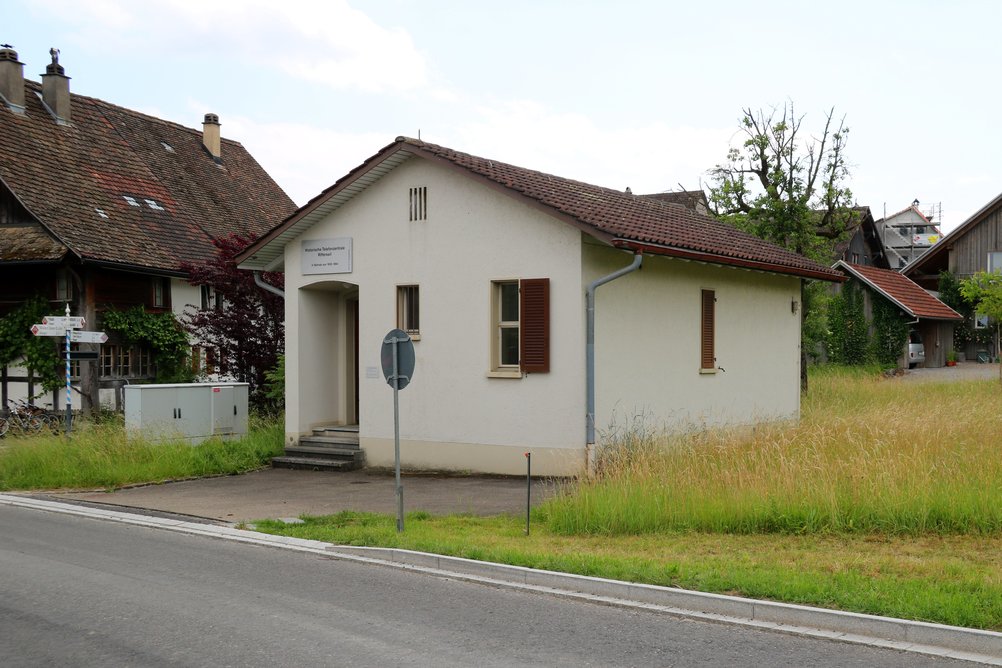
[868, 455]
[100, 455]
[885, 498]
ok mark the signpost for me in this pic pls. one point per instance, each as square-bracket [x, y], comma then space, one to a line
[70, 327]
[397, 357]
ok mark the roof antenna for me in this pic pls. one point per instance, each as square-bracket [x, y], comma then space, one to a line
[419, 134]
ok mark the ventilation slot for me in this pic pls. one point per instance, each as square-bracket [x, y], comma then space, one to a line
[419, 203]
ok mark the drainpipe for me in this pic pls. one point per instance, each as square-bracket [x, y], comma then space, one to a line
[638, 260]
[259, 282]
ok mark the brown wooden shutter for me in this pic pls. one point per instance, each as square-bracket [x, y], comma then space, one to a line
[707, 359]
[534, 325]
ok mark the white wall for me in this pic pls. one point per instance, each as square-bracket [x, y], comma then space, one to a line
[452, 415]
[648, 349]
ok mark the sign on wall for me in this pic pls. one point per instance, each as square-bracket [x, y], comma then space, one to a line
[326, 256]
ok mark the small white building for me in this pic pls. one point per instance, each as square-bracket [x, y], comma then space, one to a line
[487, 265]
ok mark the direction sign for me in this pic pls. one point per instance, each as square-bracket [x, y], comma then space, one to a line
[82, 336]
[64, 321]
[83, 356]
[48, 330]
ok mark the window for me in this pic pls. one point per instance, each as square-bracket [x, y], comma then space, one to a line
[161, 290]
[707, 324]
[521, 325]
[64, 291]
[980, 321]
[995, 261]
[419, 203]
[408, 311]
[144, 363]
[196, 359]
[211, 298]
[109, 361]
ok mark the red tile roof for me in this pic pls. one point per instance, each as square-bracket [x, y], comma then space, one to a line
[64, 174]
[621, 219]
[903, 291]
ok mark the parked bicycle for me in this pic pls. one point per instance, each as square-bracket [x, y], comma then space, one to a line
[26, 418]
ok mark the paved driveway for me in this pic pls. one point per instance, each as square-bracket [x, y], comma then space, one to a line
[950, 374]
[274, 493]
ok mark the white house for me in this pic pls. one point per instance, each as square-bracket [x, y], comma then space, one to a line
[487, 265]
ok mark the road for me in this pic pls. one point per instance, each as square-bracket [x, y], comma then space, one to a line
[80, 592]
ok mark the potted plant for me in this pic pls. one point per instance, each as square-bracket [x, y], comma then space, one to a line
[951, 358]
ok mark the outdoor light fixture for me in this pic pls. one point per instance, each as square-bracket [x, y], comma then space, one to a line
[794, 305]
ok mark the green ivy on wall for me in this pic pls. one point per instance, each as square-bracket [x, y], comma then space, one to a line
[38, 354]
[162, 333]
[848, 337]
[890, 332]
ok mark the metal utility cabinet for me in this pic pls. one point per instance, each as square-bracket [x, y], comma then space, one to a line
[191, 411]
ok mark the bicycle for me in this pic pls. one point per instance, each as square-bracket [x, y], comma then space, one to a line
[26, 418]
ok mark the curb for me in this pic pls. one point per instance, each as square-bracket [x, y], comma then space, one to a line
[887, 632]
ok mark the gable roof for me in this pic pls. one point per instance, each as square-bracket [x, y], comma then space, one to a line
[623, 220]
[933, 255]
[66, 176]
[902, 291]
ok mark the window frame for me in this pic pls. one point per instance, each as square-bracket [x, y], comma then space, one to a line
[994, 267]
[532, 326]
[408, 307]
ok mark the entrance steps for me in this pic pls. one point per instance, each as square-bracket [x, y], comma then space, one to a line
[327, 449]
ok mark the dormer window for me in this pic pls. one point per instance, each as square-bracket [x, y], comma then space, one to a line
[167, 147]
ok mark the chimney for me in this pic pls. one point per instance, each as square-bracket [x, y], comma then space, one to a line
[11, 79]
[210, 136]
[56, 89]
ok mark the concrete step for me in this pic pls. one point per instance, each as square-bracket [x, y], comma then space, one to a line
[320, 441]
[337, 429]
[312, 464]
[305, 449]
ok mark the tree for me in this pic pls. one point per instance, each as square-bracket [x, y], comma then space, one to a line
[246, 329]
[784, 188]
[984, 291]
[788, 189]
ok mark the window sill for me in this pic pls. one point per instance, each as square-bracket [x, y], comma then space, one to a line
[515, 373]
[414, 336]
[707, 372]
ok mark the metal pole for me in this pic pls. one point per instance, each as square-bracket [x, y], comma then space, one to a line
[396, 437]
[528, 489]
[69, 394]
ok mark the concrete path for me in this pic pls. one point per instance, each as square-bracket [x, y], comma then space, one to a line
[283, 493]
[951, 374]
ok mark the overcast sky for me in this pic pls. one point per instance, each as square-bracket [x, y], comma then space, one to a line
[638, 94]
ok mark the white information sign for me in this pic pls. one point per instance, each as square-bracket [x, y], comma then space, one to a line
[326, 256]
[66, 322]
[42, 329]
[81, 336]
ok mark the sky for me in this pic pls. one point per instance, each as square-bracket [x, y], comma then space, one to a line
[645, 95]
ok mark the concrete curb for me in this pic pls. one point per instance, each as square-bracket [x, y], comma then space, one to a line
[920, 637]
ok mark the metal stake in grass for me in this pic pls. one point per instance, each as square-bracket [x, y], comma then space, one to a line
[528, 489]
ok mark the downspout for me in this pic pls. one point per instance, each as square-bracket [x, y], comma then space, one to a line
[259, 282]
[638, 260]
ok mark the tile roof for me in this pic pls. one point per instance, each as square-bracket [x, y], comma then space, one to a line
[621, 219]
[903, 291]
[690, 199]
[64, 174]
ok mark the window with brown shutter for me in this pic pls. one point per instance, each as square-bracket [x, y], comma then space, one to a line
[707, 359]
[534, 318]
[521, 332]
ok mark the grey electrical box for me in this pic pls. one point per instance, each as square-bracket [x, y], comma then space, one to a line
[191, 411]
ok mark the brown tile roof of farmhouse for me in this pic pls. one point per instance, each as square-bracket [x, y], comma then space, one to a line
[628, 221]
[122, 188]
[902, 290]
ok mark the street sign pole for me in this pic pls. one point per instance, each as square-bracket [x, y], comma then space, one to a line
[397, 359]
[396, 435]
[69, 394]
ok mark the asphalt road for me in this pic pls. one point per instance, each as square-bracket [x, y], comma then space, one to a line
[79, 592]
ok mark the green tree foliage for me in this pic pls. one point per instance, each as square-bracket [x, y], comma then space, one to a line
[964, 333]
[161, 332]
[38, 354]
[785, 187]
[984, 291]
[848, 336]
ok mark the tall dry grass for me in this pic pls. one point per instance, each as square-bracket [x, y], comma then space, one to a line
[868, 455]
